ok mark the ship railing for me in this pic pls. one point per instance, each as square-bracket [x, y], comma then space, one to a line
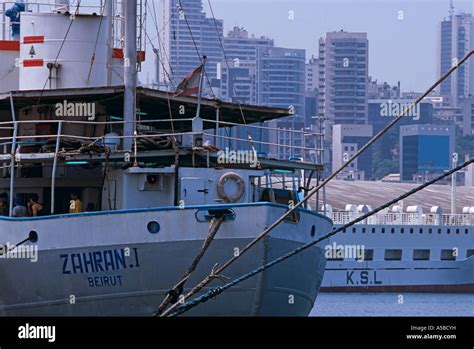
[13, 155]
[290, 142]
[12, 144]
[343, 217]
[235, 141]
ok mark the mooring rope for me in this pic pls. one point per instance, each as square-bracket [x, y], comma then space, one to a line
[173, 295]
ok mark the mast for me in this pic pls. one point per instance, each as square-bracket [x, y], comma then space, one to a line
[109, 15]
[130, 72]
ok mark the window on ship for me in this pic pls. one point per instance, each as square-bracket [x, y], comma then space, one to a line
[448, 255]
[421, 255]
[393, 255]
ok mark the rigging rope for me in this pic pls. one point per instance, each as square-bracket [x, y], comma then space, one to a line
[218, 290]
[60, 48]
[195, 46]
[161, 52]
[97, 41]
[249, 137]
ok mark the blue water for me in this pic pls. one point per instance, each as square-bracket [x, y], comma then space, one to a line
[390, 304]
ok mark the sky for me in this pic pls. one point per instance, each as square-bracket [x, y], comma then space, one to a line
[402, 34]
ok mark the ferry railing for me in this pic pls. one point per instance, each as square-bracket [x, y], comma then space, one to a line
[408, 219]
[458, 219]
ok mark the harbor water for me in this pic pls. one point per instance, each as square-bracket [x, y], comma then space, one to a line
[394, 304]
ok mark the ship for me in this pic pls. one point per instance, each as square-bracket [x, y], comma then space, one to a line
[131, 180]
[403, 249]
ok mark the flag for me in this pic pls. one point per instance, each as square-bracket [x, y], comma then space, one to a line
[190, 83]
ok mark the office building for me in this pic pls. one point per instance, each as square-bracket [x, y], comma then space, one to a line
[347, 139]
[425, 150]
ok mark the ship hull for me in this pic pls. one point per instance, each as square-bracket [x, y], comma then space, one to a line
[432, 259]
[109, 264]
[435, 277]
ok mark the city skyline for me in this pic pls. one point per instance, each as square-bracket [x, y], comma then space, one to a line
[300, 24]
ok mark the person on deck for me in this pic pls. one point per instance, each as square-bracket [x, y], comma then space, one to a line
[34, 207]
[20, 209]
[75, 204]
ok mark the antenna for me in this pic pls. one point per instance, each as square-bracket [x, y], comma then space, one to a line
[451, 8]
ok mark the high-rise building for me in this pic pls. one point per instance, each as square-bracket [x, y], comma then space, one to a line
[240, 47]
[281, 84]
[455, 40]
[238, 81]
[311, 74]
[311, 90]
[238, 73]
[343, 77]
[187, 31]
[281, 78]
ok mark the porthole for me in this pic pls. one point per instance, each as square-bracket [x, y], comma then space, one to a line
[313, 231]
[153, 227]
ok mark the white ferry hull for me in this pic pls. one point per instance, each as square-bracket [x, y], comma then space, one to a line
[407, 274]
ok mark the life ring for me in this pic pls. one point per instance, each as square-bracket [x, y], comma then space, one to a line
[230, 176]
